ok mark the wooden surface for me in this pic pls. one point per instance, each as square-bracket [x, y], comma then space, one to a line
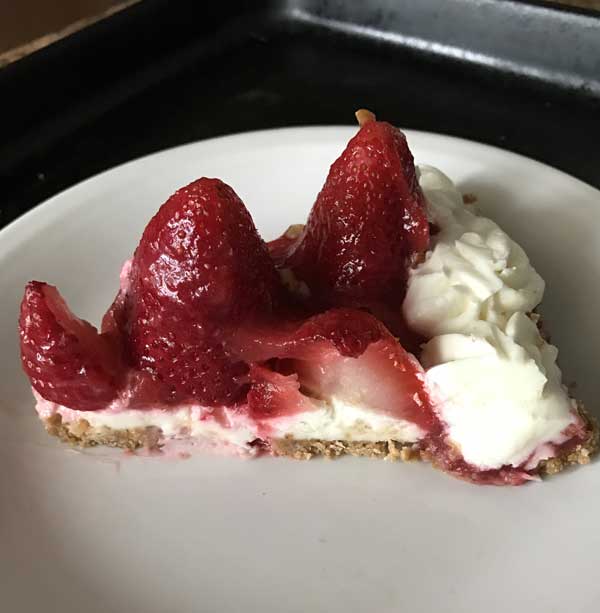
[21, 35]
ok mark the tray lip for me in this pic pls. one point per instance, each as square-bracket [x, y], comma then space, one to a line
[109, 88]
[131, 11]
[566, 8]
[123, 6]
[24, 143]
[574, 32]
[14, 226]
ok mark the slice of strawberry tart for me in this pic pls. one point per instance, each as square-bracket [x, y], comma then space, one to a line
[397, 323]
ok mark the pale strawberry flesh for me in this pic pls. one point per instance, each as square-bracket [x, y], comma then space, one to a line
[348, 354]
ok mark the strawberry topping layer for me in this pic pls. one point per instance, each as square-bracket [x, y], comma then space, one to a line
[209, 314]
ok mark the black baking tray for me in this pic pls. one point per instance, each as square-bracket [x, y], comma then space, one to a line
[520, 75]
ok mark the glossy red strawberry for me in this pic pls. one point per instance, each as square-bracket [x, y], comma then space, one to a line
[67, 361]
[367, 223]
[275, 394]
[199, 271]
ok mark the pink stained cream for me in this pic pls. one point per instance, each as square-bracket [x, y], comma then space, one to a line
[183, 430]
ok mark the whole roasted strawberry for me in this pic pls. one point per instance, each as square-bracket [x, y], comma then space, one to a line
[199, 272]
[367, 224]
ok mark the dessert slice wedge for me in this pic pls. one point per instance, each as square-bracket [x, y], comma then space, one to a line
[397, 323]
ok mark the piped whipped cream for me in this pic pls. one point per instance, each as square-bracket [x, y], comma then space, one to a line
[492, 378]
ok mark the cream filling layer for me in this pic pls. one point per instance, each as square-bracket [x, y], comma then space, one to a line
[329, 421]
[339, 420]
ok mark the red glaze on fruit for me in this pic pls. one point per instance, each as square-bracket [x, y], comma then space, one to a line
[200, 270]
[274, 394]
[367, 224]
[345, 353]
[65, 358]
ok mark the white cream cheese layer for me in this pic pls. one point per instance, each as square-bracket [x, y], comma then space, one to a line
[191, 423]
[339, 420]
[333, 420]
[493, 380]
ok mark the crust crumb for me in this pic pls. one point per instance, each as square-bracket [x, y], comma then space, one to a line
[582, 454]
[306, 449]
[294, 231]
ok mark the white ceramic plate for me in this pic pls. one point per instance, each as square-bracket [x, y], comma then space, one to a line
[101, 532]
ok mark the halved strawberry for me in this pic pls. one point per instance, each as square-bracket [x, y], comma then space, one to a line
[367, 224]
[67, 361]
[345, 353]
[200, 270]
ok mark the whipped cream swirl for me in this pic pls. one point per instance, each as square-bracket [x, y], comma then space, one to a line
[492, 378]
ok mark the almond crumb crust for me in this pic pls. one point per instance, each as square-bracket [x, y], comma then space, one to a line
[82, 434]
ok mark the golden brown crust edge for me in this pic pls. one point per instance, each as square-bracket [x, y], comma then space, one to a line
[81, 434]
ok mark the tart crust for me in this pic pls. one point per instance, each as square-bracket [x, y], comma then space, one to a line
[81, 434]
